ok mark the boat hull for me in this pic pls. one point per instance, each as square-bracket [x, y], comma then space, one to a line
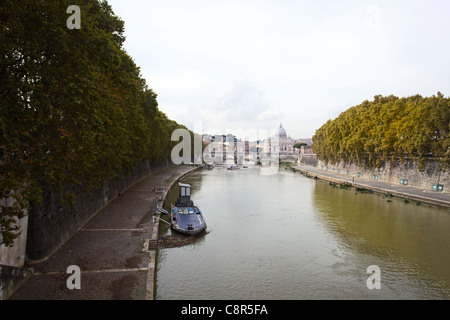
[187, 220]
[188, 232]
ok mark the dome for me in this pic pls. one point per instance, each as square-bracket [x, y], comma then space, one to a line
[281, 133]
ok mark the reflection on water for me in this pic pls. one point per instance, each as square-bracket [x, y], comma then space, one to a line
[409, 241]
[289, 237]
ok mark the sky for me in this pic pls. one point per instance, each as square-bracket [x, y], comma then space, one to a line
[226, 66]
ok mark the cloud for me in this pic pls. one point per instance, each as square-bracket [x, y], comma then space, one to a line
[256, 63]
[242, 102]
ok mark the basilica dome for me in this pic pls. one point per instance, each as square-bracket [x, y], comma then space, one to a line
[280, 143]
[281, 133]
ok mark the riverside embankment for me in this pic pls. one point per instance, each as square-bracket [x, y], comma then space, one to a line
[407, 192]
[115, 251]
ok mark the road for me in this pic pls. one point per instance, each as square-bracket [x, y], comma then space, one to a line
[408, 192]
[112, 250]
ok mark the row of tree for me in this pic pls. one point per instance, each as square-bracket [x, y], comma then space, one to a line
[388, 129]
[74, 108]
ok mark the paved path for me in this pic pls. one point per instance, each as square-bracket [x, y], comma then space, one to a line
[114, 250]
[408, 192]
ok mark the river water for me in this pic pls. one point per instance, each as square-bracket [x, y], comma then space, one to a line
[286, 236]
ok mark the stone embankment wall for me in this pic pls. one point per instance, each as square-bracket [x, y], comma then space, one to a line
[51, 224]
[406, 173]
[308, 160]
[11, 278]
[12, 259]
[15, 255]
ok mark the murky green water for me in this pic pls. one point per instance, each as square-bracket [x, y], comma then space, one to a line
[286, 236]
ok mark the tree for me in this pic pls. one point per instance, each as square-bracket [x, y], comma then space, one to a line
[386, 129]
[74, 109]
[299, 145]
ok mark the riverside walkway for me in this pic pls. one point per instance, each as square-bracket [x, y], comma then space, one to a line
[115, 251]
[407, 192]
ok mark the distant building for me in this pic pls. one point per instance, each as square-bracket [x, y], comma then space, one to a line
[280, 143]
[306, 150]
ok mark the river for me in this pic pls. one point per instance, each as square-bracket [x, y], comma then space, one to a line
[289, 237]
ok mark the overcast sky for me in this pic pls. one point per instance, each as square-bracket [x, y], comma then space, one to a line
[251, 65]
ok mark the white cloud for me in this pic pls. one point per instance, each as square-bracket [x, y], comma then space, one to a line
[250, 63]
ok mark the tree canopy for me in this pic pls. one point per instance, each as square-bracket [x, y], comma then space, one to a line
[74, 108]
[299, 145]
[388, 129]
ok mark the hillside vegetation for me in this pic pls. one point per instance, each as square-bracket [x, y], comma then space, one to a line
[74, 108]
[388, 129]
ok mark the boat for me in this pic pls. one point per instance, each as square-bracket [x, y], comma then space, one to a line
[233, 167]
[185, 216]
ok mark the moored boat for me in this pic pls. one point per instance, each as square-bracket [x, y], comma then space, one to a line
[185, 216]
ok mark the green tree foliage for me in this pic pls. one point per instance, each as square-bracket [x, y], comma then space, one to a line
[388, 129]
[299, 145]
[74, 108]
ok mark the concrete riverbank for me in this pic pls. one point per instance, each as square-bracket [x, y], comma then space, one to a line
[115, 251]
[407, 192]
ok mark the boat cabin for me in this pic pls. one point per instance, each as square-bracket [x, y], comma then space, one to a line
[184, 199]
